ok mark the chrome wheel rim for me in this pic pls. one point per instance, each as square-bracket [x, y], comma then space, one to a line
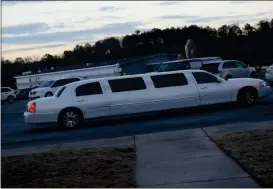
[71, 119]
[250, 98]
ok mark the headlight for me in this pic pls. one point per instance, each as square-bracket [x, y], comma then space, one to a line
[268, 70]
[262, 84]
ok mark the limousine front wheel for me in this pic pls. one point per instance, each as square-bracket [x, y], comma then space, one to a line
[70, 118]
[247, 96]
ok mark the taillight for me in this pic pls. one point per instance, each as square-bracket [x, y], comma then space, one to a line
[32, 108]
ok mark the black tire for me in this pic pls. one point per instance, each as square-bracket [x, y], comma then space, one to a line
[228, 77]
[10, 99]
[271, 83]
[70, 118]
[48, 94]
[247, 97]
[253, 75]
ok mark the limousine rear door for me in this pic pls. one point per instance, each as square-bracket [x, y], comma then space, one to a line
[211, 91]
[91, 98]
[173, 90]
[128, 95]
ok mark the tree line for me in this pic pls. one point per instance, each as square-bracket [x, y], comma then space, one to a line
[251, 44]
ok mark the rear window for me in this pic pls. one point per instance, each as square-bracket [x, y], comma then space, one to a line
[60, 91]
[89, 89]
[212, 68]
[169, 80]
[127, 84]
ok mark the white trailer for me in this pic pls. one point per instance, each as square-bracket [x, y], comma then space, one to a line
[30, 81]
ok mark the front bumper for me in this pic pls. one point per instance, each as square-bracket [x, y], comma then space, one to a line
[269, 77]
[265, 92]
[35, 118]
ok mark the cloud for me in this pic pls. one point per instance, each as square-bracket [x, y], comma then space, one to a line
[168, 3]
[109, 8]
[214, 18]
[177, 17]
[109, 29]
[32, 48]
[26, 28]
[262, 13]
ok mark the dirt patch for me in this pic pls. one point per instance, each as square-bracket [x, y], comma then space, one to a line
[86, 168]
[253, 150]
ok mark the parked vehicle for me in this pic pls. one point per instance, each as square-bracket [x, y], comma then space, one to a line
[48, 88]
[133, 94]
[23, 94]
[8, 94]
[269, 74]
[185, 64]
[228, 69]
[29, 81]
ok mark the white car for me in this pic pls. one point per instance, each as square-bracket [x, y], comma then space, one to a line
[269, 74]
[123, 95]
[8, 94]
[48, 88]
[228, 69]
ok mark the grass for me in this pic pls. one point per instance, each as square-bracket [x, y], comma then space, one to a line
[94, 167]
[253, 150]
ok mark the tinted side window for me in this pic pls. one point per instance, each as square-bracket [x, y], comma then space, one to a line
[213, 67]
[202, 77]
[62, 82]
[169, 80]
[70, 80]
[239, 65]
[59, 83]
[128, 84]
[229, 65]
[89, 89]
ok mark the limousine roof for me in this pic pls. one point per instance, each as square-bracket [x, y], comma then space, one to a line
[77, 83]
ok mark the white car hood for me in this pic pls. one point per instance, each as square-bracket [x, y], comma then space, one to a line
[40, 89]
[244, 81]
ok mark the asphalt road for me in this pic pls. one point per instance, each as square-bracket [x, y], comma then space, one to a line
[16, 134]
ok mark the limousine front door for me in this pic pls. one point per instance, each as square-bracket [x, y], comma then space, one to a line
[211, 91]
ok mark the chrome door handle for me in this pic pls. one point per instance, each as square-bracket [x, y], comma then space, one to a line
[204, 88]
[80, 100]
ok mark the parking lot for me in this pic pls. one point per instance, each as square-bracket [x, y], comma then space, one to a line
[15, 133]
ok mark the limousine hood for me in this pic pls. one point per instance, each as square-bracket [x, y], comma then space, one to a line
[245, 81]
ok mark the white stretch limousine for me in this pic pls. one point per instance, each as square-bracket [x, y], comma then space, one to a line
[121, 95]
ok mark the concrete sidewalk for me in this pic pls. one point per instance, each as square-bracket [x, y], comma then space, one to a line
[184, 158]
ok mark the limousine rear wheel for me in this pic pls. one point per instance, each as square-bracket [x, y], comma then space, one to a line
[70, 118]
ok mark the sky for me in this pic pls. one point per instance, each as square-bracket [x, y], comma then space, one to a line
[34, 28]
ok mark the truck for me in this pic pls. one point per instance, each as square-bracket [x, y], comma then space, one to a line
[34, 80]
